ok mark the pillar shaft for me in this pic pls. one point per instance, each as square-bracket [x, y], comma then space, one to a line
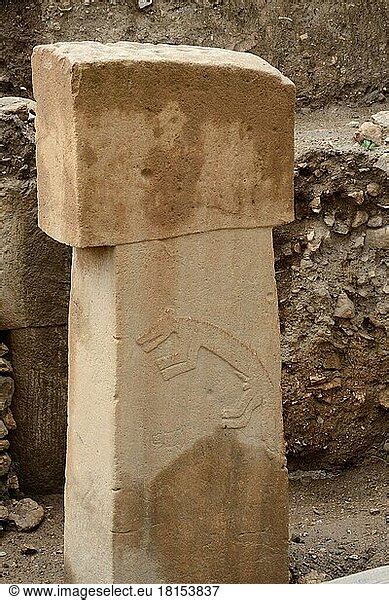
[174, 365]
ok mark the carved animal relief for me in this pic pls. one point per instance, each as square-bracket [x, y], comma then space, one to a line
[193, 335]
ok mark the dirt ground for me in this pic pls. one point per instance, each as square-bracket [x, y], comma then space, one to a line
[338, 526]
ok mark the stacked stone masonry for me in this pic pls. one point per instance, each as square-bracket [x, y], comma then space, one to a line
[33, 316]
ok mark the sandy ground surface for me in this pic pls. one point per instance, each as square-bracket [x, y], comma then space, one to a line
[338, 526]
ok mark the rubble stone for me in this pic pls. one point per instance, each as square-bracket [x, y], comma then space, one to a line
[5, 463]
[378, 238]
[26, 514]
[3, 429]
[375, 221]
[6, 392]
[36, 268]
[344, 307]
[369, 131]
[381, 118]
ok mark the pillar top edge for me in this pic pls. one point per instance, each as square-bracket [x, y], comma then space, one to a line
[94, 53]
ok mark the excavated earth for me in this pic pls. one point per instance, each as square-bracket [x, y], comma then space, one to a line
[332, 278]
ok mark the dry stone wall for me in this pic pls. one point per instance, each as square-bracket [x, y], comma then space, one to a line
[332, 276]
[8, 478]
[33, 316]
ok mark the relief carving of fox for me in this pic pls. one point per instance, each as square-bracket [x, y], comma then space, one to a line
[193, 335]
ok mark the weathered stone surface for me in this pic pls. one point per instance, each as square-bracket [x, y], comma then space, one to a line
[35, 269]
[39, 357]
[5, 463]
[6, 391]
[344, 308]
[198, 487]
[168, 157]
[382, 118]
[26, 514]
[370, 132]
[176, 467]
[3, 429]
[378, 238]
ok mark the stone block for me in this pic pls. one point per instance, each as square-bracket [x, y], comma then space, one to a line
[141, 141]
[35, 268]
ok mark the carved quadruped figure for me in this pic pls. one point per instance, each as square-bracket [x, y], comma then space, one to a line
[193, 335]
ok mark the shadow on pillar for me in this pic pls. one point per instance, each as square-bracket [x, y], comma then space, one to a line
[218, 514]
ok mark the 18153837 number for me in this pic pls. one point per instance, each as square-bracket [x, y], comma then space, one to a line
[188, 590]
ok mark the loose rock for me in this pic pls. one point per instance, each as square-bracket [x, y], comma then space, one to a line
[381, 118]
[344, 307]
[313, 577]
[378, 238]
[361, 217]
[373, 189]
[357, 196]
[26, 514]
[370, 132]
[5, 463]
[375, 221]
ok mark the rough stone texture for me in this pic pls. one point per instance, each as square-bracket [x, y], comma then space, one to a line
[7, 422]
[182, 472]
[35, 269]
[333, 290]
[331, 50]
[39, 357]
[175, 459]
[26, 514]
[169, 156]
[36, 282]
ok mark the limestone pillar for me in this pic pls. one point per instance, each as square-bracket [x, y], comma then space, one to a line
[166, 168]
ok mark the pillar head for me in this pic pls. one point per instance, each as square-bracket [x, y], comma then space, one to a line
[140, 141]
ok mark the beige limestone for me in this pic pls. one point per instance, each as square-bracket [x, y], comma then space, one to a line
[141, 141]
[176, 473]
[176, 162]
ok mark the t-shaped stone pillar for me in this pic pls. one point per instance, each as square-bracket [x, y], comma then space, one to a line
[166, 168]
